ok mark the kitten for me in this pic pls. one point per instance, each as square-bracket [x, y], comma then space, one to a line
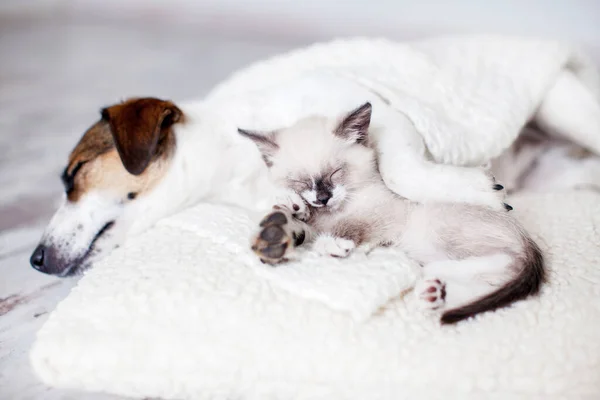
[474, 259]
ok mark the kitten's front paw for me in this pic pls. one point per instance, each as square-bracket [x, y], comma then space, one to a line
[491, 189]
[274, 240]
[500, 189]
[486, 191]
[294, 203]
[431, 294]
[332, 246]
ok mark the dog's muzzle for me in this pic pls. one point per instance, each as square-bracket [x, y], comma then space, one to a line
[49, 260]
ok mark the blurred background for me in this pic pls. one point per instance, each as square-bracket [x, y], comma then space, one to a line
[62, 60]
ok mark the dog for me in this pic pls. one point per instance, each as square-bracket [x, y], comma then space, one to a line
[147, 158]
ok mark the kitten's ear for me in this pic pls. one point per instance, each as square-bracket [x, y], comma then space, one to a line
[355, 126]
[265, 141]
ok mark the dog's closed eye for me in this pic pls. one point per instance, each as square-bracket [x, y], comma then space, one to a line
[68, 178]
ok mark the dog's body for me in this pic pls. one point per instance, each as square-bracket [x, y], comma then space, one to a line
[148, 158]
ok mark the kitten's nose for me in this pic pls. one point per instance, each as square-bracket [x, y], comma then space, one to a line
[323, 197]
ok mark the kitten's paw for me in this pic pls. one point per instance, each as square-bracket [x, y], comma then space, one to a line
[499, 191]
[490, 192]
[293, 202]
[446, 183]
[275, 239]
[331, 246]
[431, 294]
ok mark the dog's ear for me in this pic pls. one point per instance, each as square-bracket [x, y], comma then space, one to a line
[139, 127]
[265, 141]
[354, 127]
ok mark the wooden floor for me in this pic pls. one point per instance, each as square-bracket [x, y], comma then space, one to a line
[55, 75]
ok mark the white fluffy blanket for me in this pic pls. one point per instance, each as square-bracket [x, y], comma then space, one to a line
[468, 97]
[155, 321]
[185, 312]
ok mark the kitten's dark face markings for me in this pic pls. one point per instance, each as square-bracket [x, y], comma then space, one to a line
[323, 192]
[320, 189]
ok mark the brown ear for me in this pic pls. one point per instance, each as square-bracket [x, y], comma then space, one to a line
[138, 126]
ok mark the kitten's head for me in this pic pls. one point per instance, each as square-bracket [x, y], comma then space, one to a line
[321, 159]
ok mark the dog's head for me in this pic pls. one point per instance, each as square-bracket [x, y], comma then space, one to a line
[115, 165]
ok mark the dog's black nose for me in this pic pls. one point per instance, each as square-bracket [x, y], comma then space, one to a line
[37, 258]
[323, 197]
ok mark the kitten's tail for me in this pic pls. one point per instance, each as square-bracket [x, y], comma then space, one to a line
[528, 282]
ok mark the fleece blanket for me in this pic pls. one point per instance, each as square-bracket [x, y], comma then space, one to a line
[468, 96]
[169, 326]
[185, 312]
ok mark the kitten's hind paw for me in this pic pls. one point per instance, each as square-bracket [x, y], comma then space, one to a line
[431, 294]
[275, 239]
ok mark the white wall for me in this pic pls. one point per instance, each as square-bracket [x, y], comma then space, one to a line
[577, 20]
[29, 6]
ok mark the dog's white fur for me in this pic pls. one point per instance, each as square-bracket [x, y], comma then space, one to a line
[213, 163]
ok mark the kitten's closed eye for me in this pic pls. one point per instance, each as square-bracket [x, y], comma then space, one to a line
[336, 175]
[300, 185]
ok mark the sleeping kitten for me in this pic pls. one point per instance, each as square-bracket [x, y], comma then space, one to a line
[474, 259]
